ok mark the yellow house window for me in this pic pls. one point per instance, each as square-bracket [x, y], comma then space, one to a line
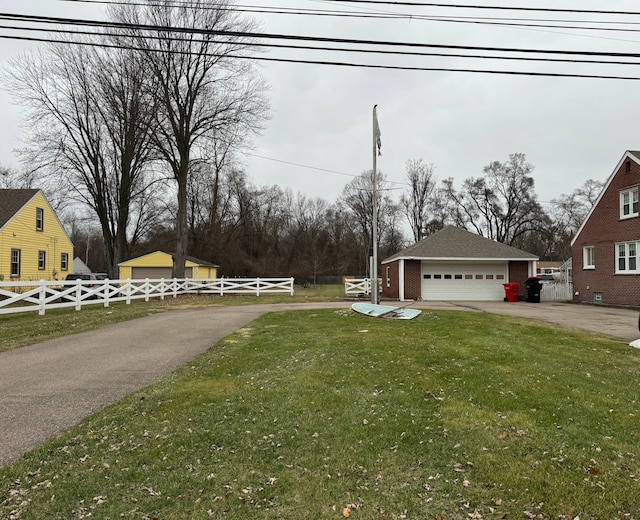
[64, 261]
[42, 260]
[15, 262]
[39, 219]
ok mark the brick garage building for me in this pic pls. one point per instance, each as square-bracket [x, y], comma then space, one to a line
[454, 264]
[606, 249]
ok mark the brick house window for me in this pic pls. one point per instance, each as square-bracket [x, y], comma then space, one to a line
[64, 261]
[388, 273]
[588, 257]
[39, 219]
[629, 203]
[42, 260]
[15, 262]
[627, 258]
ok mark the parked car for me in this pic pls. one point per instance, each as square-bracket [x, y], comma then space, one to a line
[81, 276]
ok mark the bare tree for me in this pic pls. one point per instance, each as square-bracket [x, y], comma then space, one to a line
[573, 208]
[204, 89]
[91, 125]
[502, 205]
[417, 200]
[568, 212]
[357, 197]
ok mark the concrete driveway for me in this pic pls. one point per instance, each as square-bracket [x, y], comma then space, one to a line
[47, 387]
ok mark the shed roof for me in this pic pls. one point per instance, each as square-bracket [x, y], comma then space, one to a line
[12, 201]
[452, 243]
[191, 259]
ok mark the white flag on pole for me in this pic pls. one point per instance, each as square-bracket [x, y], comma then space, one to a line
[376, 130]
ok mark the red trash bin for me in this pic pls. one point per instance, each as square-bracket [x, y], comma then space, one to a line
[511, 291]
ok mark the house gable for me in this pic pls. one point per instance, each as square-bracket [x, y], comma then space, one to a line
[597, 277]
[33, 242]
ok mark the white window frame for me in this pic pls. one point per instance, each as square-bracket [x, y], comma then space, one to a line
[15, 263]
[388, 273]
[39, 219]
[64, 261]
[42, 260]
[588, 257]
[629, 203]
[628, 257]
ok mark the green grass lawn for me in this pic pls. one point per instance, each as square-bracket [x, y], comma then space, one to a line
[21, 329]
[328, 414]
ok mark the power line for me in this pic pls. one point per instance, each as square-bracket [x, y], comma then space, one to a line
[486, 7]
[321, 39]
[313, 48]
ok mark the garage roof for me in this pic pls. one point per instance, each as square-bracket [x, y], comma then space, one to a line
[452, 243]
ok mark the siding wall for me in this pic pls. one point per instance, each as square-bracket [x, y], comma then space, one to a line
[20, 233]
[603, 229]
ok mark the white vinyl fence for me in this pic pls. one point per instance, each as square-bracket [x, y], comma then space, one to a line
[359, 286]
[550, 292]
[556, 292]
[44, 295]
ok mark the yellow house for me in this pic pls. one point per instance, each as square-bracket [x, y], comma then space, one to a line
[159, 265]
[33, 243]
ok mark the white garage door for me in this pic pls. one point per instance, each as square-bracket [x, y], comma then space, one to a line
[155, 273]
[463, 281]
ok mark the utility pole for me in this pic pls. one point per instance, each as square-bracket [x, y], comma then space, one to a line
[377, 145]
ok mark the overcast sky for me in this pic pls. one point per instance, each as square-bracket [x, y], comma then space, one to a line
[570, 129]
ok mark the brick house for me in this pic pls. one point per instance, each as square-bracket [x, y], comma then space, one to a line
[454, 264]
[605, 251]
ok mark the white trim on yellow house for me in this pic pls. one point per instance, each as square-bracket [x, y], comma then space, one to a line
[159, 265]
[40, 251]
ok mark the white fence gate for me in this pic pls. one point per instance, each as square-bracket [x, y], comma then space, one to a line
[40, 296]
[556, 292]
[360, 286]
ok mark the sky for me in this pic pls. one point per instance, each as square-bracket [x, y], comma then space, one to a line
[320, 132]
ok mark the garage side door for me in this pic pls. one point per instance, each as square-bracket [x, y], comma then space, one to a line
[463, 281]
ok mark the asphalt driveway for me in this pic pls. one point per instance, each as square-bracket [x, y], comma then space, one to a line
[47, 387]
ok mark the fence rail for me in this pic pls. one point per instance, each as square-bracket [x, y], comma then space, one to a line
[44, 295]
[550, 292]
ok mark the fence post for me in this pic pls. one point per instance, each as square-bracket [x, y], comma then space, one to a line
[291, 285]
[146, 289]
[128, 289]
[78, 294]
[42, 295]
[257, 286]
[222, 286]
[105, 293]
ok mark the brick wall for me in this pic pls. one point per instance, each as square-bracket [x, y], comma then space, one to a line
[603, 229]
[413, 279]
[519, 272]
[393, 291]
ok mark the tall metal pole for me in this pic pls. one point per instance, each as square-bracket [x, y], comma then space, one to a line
[375, 299]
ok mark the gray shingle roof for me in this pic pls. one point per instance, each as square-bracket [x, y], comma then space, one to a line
[459, 244]
[636, 154]
[12, 201]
